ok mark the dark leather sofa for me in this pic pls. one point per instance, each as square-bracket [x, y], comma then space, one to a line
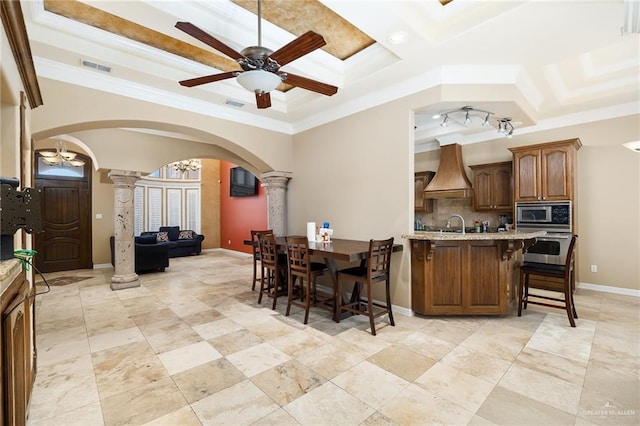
[182, 242]
[150, 255]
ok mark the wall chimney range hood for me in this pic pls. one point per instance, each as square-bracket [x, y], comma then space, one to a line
[450, 180]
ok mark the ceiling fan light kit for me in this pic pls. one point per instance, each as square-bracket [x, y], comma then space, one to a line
[259, 81]
[504, 124]
[261, 66]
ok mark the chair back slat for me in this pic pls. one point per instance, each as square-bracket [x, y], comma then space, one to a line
[379, 260]
[268, 250]
[255, 243]
[298, 255]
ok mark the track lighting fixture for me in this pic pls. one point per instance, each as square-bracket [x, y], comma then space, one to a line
[505, 126]
[465, 115]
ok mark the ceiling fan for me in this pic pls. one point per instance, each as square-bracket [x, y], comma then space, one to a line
[261, 66]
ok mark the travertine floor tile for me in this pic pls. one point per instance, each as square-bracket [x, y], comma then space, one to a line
[186, 357]
[257, 359]
[359, 379]
[243, 403]
[402, 362]
[207, 379]
[328, 405]
[288, 381]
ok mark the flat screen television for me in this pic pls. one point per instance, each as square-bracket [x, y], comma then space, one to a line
[242, 183]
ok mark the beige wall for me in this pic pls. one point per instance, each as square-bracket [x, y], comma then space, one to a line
[210, 203]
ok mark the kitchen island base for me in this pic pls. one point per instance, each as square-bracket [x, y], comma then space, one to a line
[465, 275]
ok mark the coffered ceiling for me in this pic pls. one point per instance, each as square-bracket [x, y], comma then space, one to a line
[539, 63]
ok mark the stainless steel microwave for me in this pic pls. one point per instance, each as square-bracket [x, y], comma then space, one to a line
[552, 214]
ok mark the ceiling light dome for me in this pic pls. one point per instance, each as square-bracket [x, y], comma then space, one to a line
[259, 81]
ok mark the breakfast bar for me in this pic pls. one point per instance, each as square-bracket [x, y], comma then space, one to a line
[466, 273]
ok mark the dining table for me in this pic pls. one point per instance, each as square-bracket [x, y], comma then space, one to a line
[332, 252]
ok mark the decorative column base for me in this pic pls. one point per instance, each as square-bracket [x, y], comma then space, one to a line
[119, 282]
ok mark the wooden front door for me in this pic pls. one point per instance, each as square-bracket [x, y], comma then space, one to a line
[65, 242]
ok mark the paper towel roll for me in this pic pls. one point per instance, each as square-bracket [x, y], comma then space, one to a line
[311, 231]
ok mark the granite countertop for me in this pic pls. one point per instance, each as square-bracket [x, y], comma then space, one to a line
[453, 236]
[9, 269]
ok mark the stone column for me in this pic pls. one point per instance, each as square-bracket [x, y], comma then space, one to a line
[276, 185]
[124, 248]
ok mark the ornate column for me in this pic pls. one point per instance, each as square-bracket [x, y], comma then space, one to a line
[276, 185]
[124, 248]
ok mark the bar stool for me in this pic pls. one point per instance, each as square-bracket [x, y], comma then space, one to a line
[255, 244]
[377, 269]
[272, 283]
[564, 272]
[306, 273]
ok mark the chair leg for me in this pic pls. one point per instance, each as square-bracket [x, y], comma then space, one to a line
[520, 292]
[262, 286]
[338, 310]
[255, 272]
[526, 291]
[289, 295]
[370, 309]
[276, 282]
[573, 286]
[307, 299]
[389, 304]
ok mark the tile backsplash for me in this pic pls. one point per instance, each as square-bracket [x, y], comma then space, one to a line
[445, 207]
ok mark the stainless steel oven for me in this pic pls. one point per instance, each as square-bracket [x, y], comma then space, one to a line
[555, 219]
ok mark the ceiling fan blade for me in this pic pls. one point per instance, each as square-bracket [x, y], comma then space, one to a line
[208, 79]
[208, 39]
[313, 85]
[263, 100]
[306, 43]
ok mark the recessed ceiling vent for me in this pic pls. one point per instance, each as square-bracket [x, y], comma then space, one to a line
[234, 103]
[95, 66]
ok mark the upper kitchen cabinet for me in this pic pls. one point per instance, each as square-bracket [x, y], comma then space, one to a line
[421, 179]
[492, 187]
[545, 172]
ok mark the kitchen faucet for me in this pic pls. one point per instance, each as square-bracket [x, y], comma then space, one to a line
[461, 221]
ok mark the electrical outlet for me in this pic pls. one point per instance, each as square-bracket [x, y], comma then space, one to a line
[594, 268]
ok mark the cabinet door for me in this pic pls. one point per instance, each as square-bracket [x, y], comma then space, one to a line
[16, 357]
[526, 172]
[421, 180]
[501, 193]
[556, 173]
[492, 187]
[482, 185]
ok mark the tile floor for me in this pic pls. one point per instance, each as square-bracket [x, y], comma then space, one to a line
[191, 346]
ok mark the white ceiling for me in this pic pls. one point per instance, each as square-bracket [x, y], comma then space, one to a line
[564, 62]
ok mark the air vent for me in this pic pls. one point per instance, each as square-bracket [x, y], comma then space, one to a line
[234, 103]
[95, 66]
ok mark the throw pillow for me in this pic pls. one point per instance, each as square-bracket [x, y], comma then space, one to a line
[173, 231]
[147, 239]
[162, 237]
[186, 235]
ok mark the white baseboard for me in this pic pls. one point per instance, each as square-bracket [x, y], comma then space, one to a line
[102, 265]
[609, 289]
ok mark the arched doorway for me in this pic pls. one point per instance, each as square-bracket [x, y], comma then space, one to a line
[65, 193]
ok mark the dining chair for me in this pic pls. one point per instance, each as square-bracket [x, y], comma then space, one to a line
[305, 272]
[377, 269]
[564, 272]
[272, 281]
[255, 244]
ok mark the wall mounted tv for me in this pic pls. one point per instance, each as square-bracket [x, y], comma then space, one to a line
[242, 183]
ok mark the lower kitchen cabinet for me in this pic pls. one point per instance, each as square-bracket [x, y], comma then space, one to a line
[468, 277]
[18, 350]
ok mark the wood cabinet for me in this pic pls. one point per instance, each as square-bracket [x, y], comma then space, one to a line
[18, 351]
[492, 187]
[420, 180]
[545, 172]
[463, 277]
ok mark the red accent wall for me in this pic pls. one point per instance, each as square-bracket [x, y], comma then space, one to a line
[239, 215]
